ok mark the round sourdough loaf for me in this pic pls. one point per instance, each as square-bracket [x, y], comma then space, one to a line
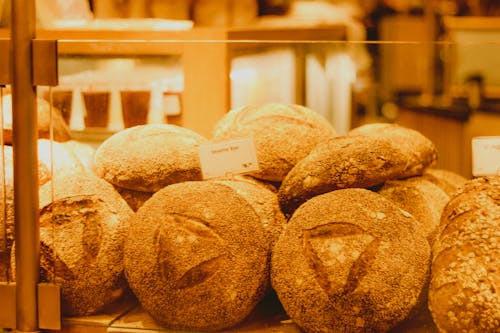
[350, 261]
[356, 160]
[82, 228]
[283, 134]
[419, 197]
[464, 293]
[263, 201]
[448, 181]
[196, 256]
[148, 157]
[135, 199]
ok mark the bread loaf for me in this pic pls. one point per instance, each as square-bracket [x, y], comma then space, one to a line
[82, 228]
[419, 197]
[148, 157]
[283, 134]
[447, 180]
[350, 261]
[196, 256]
[60, 128]
[356, 160]
[464, 289]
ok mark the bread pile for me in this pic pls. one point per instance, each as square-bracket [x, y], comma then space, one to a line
[61, 132]
[364, 211]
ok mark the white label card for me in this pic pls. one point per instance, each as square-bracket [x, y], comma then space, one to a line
[485, 155]
[228, 158]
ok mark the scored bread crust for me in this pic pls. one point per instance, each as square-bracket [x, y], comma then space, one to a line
[464, 288]
[196, 256]
[283, 134]
[352, 161]
[419, 197]
[350, 261]
[83, 222]
[60, 129]
[148, 157]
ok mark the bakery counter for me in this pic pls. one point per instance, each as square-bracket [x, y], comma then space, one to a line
[127, 316]
[451, 128]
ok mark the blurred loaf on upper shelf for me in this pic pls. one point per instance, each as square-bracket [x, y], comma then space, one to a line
[61, 130]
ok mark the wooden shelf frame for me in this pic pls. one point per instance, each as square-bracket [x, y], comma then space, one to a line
[205, 53]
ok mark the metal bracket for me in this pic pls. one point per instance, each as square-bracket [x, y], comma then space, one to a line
[8, 305]
[44, 61]
[49, 306]
[45, 69]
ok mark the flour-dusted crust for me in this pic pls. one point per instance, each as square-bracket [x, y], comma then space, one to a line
[196, 256]
[419, 197]
[149, 157]
[357, 160]
[350, 261]
[464, 293]
[283, 134]
[82, 229]
[263, 201]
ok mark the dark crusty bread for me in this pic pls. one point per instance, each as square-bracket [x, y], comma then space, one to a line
[263, 201]
[148, 157]
[350, 261]
[134, 199]
[447, 180]
[419, 197]
[356, 160]
[283, 134]
[61, 130]
[464, 294]
[82, 229]
[196, 256]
